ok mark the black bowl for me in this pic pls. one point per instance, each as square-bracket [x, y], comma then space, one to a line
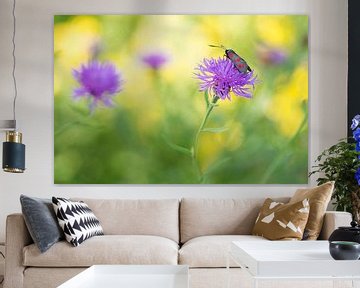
[344, 250]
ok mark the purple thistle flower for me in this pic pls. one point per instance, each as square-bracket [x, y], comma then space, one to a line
[355, 122]
[272, 56]
[98, 81]
[155, 60]
[220, 77]
[277, 56]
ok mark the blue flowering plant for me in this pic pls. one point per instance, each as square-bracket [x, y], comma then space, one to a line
[341, 163]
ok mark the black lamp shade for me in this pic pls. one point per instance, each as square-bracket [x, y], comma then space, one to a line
[13, 155]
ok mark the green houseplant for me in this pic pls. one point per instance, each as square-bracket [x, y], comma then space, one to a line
[341, 163]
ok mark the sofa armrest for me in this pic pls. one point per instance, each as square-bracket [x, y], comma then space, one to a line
[17, 237]
[333, 220]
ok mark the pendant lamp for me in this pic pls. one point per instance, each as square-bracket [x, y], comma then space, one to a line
[13, 158]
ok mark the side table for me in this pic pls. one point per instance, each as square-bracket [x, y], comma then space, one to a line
[131, 276]
[293, 263]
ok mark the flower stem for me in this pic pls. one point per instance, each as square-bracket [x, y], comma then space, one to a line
[195, 149]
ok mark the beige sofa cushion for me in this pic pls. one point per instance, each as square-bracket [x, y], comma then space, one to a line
[279, 221]
[200, 217]
[158, 217]
[319, 198]
[211, 251]
[107, 249]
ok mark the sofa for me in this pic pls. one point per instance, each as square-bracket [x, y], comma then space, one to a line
[190, 231]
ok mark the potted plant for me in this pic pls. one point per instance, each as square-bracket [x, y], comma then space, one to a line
[341, 163]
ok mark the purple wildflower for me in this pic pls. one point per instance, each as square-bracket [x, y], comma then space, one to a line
[355, 122]
[155, 60]
[277, 56]
[357, 176]
[98, 81]
[220, 77]
[272, 56]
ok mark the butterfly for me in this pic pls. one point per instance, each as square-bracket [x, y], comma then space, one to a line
[239, 63]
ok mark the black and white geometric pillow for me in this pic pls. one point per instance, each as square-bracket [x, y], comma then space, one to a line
[77, 220]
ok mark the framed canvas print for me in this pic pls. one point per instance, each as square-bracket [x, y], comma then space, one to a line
[180, 99]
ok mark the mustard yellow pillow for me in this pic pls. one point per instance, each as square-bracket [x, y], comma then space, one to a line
[319, 198]
[279, 221]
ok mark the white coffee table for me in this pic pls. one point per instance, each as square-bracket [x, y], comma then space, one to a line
[131, 276]
[296, 260]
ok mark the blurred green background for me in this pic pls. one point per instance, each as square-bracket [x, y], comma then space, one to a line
[130, 143]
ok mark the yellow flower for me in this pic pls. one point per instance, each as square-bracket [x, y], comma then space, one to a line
[275, 30]
[287, 108]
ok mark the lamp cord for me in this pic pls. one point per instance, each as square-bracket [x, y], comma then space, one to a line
[14, 60]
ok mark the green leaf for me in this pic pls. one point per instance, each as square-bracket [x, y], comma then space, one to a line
[339, 163]
[181, 149]
[177, 148]
[215, 130]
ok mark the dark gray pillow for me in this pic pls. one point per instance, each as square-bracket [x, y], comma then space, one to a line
[41, 221]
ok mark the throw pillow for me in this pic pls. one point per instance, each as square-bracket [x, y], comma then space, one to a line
[319, 198]
[279, 221]
[41, 222]
[77, 220]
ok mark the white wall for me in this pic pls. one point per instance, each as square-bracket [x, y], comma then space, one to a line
[328, 69]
